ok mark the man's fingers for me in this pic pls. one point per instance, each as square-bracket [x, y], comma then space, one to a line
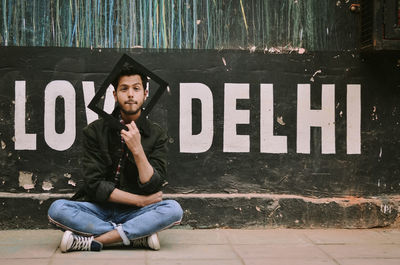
[131, 129]
[129, 125]
[133, 124]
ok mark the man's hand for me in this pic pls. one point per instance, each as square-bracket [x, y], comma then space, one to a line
[150, 199]
[132, 138]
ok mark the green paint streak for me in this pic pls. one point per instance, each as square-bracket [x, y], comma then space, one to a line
[176, 24]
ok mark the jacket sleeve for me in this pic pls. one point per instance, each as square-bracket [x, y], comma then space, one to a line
[158, 160]
[95, 164]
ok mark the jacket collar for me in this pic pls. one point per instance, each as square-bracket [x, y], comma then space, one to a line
[142, 123]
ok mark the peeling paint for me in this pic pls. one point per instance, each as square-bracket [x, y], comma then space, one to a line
[3, 145]
[280, 120]
[317, 72]
[223, 61]
[47, 185]
[374, 115]
[25, 180]
[71, 182]
[67, 175]
[286, 49]
[274, 206]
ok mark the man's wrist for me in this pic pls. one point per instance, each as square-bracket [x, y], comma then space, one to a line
[137, 151]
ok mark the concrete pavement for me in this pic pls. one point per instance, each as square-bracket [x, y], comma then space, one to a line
[220, 246]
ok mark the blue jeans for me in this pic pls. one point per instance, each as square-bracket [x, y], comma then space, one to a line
[131, 222]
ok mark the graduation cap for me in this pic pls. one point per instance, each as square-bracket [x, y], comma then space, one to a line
[126, 61]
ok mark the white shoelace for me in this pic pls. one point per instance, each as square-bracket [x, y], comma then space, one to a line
[81, 243]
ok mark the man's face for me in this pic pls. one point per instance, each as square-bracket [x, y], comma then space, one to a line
[130, 94]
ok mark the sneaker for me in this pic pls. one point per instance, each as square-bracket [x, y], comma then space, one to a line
[72, 242]
[151, 242]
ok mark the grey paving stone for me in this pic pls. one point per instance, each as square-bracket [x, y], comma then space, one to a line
[369, 261]
[196, 262]
[134, 254]
[283, 261]
[220, 246]
[114, 261]
[29, 237]
[279, 251]
[391, 236]
[26, 251]
[344, 236]
[24, 261]
[362, 251]
[268, 236]
[193, 252]
[193, 237]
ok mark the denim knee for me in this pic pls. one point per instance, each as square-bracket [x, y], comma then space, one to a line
[176, 211]
[55, 208]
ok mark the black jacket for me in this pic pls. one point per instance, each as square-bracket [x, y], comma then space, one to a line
[102, 150]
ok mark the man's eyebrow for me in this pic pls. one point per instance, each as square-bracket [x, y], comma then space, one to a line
[138, 83]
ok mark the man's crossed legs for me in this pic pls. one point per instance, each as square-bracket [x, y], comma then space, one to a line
[90, 225]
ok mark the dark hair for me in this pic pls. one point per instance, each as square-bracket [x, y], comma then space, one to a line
[128, 70]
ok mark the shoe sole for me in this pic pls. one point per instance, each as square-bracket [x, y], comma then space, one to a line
[64, 241]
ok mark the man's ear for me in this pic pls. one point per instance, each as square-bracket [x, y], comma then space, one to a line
[115, 95]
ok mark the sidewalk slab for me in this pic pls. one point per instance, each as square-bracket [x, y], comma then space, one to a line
[285, 261]
[13, 261]
[270, 251]
[216, 246]
[345, 236]
[113, 261]
[370, 262]
[391, 236]
[197, 237]
[189, 252]
[266, 237]
[363, 251]
[196, 262]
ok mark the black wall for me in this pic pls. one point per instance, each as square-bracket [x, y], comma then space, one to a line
[373, 172]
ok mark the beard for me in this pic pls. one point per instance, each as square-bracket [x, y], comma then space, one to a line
[129, 112]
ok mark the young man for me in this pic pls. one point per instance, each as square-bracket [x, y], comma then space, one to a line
[124, 172]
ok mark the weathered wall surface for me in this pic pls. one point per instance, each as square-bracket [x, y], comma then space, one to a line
[340, 171]
[181, 24]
